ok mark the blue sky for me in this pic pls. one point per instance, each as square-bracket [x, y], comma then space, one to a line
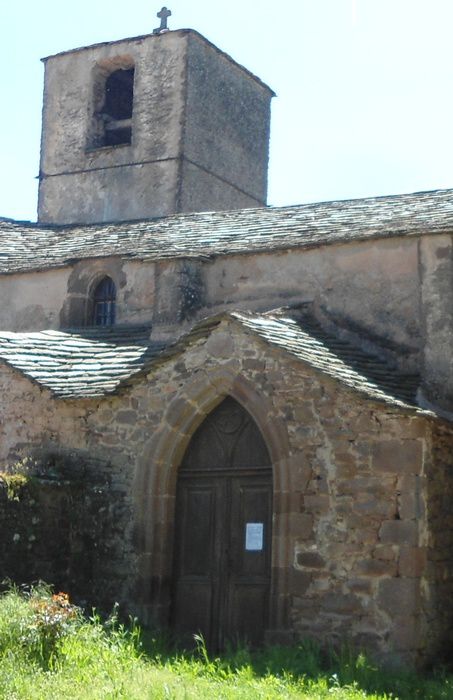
[364, 88]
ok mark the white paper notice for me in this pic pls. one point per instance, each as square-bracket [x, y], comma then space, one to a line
[254, 537]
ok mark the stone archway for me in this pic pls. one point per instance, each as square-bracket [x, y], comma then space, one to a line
[223, 532]
[156, 480]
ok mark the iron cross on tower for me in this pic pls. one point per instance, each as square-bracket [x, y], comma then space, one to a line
[163, 15]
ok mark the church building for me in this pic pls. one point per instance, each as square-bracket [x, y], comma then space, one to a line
[231, 419]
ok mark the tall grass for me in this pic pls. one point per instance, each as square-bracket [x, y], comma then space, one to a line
[49, 650]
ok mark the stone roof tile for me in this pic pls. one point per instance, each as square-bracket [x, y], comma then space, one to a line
[25, 246]
[307, 341]
[81, 362]
[90, 363]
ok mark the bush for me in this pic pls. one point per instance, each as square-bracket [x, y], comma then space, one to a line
[53, 617]
[34, 622]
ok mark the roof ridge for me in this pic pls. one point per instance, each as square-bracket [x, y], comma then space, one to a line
[232, 212]
[26, 247]
[85, 371]
[386, 377]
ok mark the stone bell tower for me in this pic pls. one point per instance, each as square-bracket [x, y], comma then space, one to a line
[149, 127]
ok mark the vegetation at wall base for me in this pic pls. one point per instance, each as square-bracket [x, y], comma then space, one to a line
[14, 484]
[49, 650]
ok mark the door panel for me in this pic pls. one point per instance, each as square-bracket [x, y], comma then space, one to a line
[228, 439]
[197, 534]
[199, 505]
[222, 564]
[193, 610]
[248, 616]
[250, 557]
[251, 504]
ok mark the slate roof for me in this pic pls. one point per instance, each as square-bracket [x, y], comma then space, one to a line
[78, 363]
[25, 246]
[89, 363]
[307, 341]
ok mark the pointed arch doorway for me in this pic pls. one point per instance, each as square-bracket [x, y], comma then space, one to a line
[223, 532]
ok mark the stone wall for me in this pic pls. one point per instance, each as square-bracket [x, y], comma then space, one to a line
[438, 574]
[180, 82]
[369, 289]
[351, 523]
[59, 527]
[436, 265]
[75, 509]
[82, 184]
[360, 496]
[32, 301]
[226, 134]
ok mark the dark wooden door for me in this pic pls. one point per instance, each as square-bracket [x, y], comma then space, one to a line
[223, 532]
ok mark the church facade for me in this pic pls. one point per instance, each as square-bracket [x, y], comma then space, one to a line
[231, 419]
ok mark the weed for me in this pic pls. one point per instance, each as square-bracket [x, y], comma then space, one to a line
[49, 650]
[53, 617]
[14, 484]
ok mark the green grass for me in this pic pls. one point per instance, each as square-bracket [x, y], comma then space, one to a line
[49, 651]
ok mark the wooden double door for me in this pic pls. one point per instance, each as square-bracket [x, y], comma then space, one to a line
[223, 528]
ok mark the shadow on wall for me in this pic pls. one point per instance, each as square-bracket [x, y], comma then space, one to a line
[60, 525]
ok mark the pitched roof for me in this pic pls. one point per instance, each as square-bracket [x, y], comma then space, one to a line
[89, 363]
[25, 246]
[78, 363]
[305, 339]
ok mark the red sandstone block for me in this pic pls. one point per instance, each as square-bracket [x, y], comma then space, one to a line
[128, 417]
[411, 428]
[411, 502]
[304, 413]
[342, 604]
[386, 552]
[360, 585]
[346, 470]
[399, 596]
[412, 561]
[367, 484]
[317, 504]
[400, 457]
[375, 567]
[301, 526]
[310, 560]
[255, 365]
[299, 581]
[302, 476]
[365, 535]
[288, 502]
[401, 532]
[409, 506]
[405, 634]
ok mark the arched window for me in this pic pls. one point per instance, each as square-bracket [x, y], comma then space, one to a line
[116, 112]
[104, 301]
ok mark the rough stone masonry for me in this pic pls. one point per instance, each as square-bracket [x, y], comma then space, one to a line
[362, 531]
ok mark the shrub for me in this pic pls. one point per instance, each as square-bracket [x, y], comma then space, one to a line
[53, 617]
[14, 484]
[35, 622]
